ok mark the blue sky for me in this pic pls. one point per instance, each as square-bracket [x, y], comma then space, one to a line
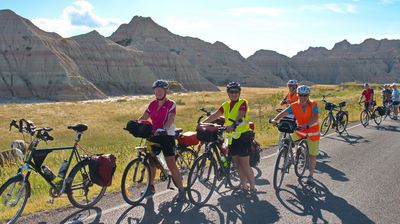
[285, 26]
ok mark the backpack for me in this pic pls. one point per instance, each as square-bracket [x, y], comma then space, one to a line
[102, 168]
[254, 153]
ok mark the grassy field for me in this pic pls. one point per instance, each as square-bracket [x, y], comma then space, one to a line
[107, 118]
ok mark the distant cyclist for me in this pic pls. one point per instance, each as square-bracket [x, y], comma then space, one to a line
[386, 95]
[291, 97]
[306, 114]
[237, 109]
[395, 100]
[161, 112]
[368, 95]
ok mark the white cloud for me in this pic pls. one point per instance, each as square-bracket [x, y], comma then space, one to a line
[77, 19]
[254, 11]
[341, 8]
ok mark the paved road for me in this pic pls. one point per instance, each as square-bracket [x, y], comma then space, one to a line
[357, 181]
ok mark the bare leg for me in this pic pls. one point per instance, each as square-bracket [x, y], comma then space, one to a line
[176, 175]
[248, 171]
[153, 170]
[241, 172]
[313, 163]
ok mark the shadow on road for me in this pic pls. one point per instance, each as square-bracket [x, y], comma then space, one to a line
[315, 200]
[80, 215]
[387, 128]
[351, 139]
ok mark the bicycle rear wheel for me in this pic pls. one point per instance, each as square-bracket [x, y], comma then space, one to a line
[326, 123]
[233, 178]
[391, 112]
[364, 118]
[81, 191]
[302, 159]
[185, 158]
[342, 123]
[202, 179]
[135, 181]
[280, 167]
[377, 117]
[14, 194]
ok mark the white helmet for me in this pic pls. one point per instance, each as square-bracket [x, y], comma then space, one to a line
[292, 82]
[303, 90]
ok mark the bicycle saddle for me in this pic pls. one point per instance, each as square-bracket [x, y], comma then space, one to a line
[78, 127]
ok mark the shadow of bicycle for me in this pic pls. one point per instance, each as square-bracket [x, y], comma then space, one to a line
[91, 215]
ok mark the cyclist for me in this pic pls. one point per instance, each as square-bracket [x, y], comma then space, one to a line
[386, 95]
[368, 94]
[395, 100]
[239, 142]
[291, 97]
[161, 112]
[306, 114]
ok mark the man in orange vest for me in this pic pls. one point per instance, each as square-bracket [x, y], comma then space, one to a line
[306, 114]
[291, 97]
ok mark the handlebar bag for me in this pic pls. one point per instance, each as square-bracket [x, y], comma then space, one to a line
[102, 168]
[287, 125]
[139, 129]
[188, 139]
[207, 132]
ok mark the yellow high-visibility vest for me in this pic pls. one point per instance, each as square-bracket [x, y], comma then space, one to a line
[232, 114]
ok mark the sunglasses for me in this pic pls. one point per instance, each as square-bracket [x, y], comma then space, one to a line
[303, 95]
[233, 91]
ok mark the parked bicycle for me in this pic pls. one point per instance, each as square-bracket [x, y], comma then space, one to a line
[368, 114]
[214, 164]
[387, 110]
[136, 177]
[338, 121]
[287, 156]
[77, 184]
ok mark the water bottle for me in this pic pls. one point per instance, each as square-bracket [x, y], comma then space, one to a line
[48, 174]
[224, 161]
[63, 169]
[161, 159]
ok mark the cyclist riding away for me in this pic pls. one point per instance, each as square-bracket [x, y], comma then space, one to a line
[395, 100]
[306, 114]
[291, 97]
[162, 113]
[238, 133]
[368, 94]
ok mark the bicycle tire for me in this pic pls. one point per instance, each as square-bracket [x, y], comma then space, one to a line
[143, 188]
[326, 123]
[204, 164]
[233, 176]
[280, 158]
[391, 112]
[80, 180]
[364, 118]
[185, 159]
[377, 117]
[302, 159]
[12, 182]
[342, 123]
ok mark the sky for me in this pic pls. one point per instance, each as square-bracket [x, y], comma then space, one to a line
[284, 26]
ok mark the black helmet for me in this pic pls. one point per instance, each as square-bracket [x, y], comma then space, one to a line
[160, 84]
[233, 85]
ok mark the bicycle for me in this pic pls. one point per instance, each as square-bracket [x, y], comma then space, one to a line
[210, 166]
[388, 110]
[367, 114]
[80, 189]
[136, 177]
[285, 157]
[338, 121]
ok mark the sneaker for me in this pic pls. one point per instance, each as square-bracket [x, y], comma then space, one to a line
[310, 180]
[150, 191]
[181, 195]
[251, 193]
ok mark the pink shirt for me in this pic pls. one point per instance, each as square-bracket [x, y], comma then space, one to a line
[159, 117]
[368, 94]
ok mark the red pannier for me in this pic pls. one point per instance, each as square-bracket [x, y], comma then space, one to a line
[207, 132]
[102, 168]
[188, 138]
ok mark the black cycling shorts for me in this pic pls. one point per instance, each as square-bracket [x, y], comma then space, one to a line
[241, 146]
[167, 143]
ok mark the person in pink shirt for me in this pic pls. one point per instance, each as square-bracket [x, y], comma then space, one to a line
[161, 112]
[368, 95]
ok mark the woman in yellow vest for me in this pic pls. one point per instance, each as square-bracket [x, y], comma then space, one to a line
[306, 114]
[238, 134]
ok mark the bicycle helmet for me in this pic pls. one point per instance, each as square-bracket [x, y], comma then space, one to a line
[292, 82]
[233, 85]
[160, 84]
[303, 90]
[366, 84]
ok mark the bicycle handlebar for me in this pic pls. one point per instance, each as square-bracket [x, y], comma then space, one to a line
[27, 126]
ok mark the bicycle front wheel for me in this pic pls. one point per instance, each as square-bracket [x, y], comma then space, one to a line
[364, 118]
[202, 179]
[302, 159]
[14, 194]
[233, 178]
[185, 158]
[342, 123]
[377, 117]
[326, 123]
[135, 181]
[280, 167]
[81, 191]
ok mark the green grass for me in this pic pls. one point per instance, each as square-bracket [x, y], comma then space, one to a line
[107, 118]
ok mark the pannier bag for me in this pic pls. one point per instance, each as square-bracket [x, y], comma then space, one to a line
[139, 129]
[188, 139]
[329, 106]
[207, 132]
[102, 168]
[381, 110]
[287, 125]
[254, 153]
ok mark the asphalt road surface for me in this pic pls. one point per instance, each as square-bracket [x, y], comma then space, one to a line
[357, 181]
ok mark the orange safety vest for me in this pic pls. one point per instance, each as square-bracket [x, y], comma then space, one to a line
[293, 98]
[304, 117]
